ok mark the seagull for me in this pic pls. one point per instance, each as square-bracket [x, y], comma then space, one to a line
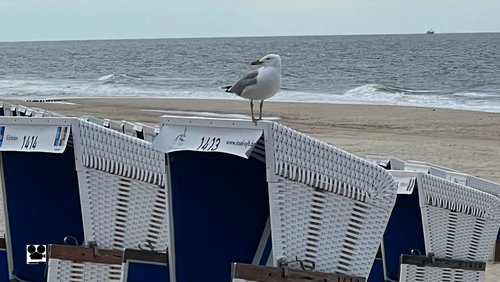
[261, 83]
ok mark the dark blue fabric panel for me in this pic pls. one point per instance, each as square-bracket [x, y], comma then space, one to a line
[220, 208]
[377, 272]
[140, 272]
[404, 232]
[4, 269]
[43, 204]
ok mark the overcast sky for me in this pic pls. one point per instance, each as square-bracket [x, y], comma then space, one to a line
[33, 20]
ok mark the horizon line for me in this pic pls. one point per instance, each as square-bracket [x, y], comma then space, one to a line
[243, 36]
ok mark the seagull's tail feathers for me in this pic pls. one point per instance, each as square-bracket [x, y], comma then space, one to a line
[227, 88]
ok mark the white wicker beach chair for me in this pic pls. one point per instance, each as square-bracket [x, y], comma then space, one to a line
[328, 208]
[122, 191]
[459, 217]
[460, 222]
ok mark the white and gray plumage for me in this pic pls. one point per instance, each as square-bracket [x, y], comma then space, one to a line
[261, 83]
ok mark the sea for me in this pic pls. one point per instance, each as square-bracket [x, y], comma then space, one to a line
[458, 71]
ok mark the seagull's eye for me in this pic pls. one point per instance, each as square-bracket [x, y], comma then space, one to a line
[268, 59]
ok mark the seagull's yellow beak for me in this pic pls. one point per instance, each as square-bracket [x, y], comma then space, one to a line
[256, 62]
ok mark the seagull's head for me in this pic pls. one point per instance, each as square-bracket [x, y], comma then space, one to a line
[272, 60]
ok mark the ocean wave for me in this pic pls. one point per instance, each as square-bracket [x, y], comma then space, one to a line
[106, 77]
[119, 78]
[365, 94]
[372, 88]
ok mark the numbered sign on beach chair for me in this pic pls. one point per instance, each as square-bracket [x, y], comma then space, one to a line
[264, 194]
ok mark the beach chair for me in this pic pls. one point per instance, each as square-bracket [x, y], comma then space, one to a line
[264, 194]
[78, 180]
[437, 226]
[121, 182]
[460, 225]
[468, 180]
[453, 231]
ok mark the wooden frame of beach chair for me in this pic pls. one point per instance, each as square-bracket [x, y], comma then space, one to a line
[327, 208]
[105, 187]
[428, 268]
[250, 272]
[79, 263]
[90, 263]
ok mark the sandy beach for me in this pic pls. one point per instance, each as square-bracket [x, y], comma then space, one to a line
[467, 141]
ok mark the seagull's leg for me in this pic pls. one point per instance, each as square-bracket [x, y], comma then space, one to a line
[260, 113]
[251, 109]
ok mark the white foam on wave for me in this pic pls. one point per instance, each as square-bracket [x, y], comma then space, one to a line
[106, 77]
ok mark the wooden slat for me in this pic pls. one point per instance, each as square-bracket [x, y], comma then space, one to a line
[443, 263]
[85, 254]
[147, 256]
[275, 274]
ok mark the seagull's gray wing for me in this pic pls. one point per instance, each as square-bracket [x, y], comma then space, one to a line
[248, 80]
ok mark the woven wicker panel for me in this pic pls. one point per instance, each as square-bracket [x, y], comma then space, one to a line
[69, 271]
[460, 222]
[119, 212]
[114, 152]
[339, 234]
[301, 158]
[413, 273]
